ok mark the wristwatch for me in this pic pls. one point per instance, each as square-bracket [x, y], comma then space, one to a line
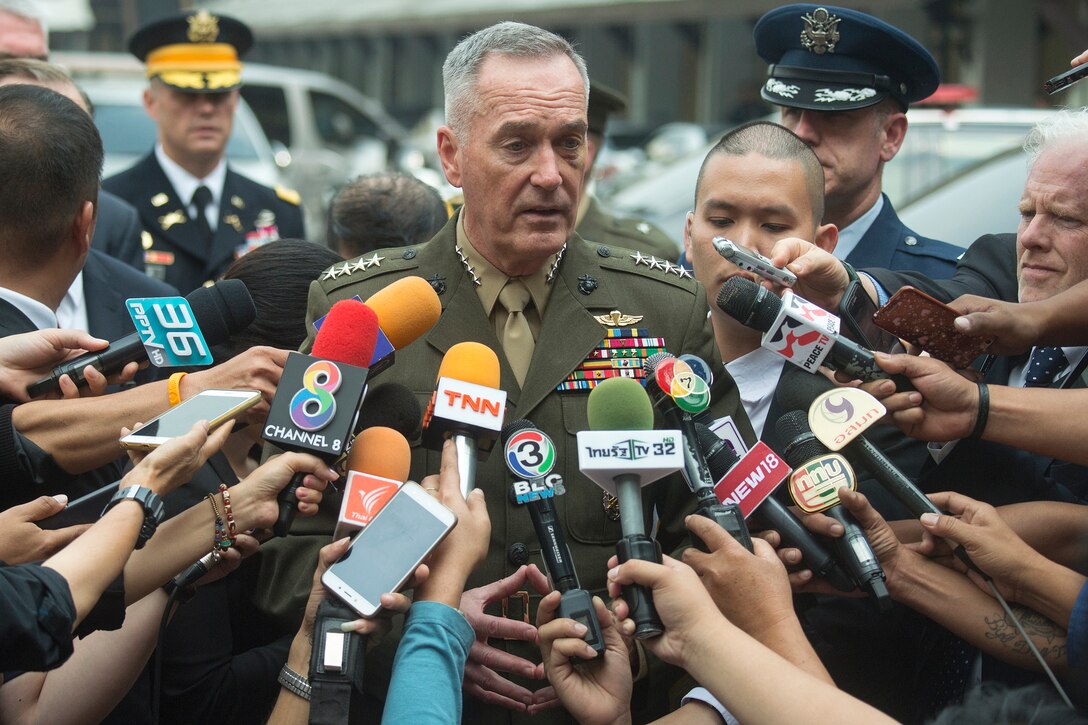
[294, 682]
[154, 511]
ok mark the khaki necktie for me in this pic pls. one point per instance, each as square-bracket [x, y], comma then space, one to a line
[517, 337]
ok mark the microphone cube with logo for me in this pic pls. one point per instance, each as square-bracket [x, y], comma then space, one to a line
[319, 416]
[459, 407]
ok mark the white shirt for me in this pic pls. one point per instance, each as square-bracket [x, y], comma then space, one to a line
[185, 184]
[756, 375]
[39, 314]
[850, 235]
[72, 313]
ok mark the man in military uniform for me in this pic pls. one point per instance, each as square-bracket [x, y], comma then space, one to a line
[843, 80]
[559, 311]
[199, 215]
[594, 223]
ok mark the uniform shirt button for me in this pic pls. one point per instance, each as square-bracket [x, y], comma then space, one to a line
[604, 251]
[910, 241]
[518, 554]
[409, 254]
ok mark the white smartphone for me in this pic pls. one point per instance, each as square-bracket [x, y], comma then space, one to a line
[753, 262]
[214, 406]
[385, 553]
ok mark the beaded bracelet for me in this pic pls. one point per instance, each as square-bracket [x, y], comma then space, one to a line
[232, 530]
[221, 540]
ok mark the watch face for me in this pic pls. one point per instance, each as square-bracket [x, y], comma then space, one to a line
[154, 510]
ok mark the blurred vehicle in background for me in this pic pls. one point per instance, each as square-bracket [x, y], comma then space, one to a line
[300, 128]
[958, 175]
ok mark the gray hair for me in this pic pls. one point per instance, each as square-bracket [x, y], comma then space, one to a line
[461, 70]
[39, 71]
[1068, 124]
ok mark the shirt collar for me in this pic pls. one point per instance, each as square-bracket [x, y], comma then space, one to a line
[39, 314]
[850, 235]
[69, 311]
[185, 183]
[492, 279]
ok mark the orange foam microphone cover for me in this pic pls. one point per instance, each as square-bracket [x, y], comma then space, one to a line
[406, 309]
[381, 451]
[472, 362]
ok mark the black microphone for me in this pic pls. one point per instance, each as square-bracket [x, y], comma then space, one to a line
[198, 569]
[803, 333]
[530, 456]
[317, 401]
[220, 311]
[814, 484]
[662, 371]
[773, 514]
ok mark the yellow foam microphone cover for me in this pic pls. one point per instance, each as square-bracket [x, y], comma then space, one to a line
[472, 362]
[406, 309]
[381, 451]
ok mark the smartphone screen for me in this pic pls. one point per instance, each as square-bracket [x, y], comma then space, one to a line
[390, 547]
[209, 405]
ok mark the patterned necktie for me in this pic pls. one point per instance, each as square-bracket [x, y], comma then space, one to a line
[517, 337]
[201, 198]
[1045, 365]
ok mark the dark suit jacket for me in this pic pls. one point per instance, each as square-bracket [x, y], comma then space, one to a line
[987, 269]
[117, 230]
[672, 307]
[177, 254]
[890, 243]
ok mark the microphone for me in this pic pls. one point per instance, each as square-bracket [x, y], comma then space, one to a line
[679, 392]
[814, 486]
[377, 467]
[220, 311]
[467, 406]
[621, 454]
[530, 456]
[773, 514]
[317, 401]
[803, 333]
[391, 405]
[406, 309]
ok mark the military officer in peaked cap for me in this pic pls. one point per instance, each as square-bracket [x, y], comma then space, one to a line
[596, 224]
[843, 81]
[198, 214]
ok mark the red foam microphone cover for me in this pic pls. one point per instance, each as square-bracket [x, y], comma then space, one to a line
[348, 335]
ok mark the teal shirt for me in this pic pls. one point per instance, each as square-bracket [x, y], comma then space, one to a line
[429, 666]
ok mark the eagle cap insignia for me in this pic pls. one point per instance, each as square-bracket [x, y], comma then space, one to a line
[203, 27]
[615, 318]
[821, 32]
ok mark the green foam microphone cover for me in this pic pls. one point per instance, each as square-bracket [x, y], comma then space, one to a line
[619, 404]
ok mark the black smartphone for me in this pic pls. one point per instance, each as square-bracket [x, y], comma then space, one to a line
[856, 309]
[1064, 80]
[84, 510]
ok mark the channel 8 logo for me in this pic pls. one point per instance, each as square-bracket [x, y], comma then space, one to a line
[314, 406]
[530, 454]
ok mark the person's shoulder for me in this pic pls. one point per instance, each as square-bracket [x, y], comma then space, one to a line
[642, 270]
[268, 195]
[133, 178]
[629, 232]
[134, 282]
[370, 271]
[917, 245]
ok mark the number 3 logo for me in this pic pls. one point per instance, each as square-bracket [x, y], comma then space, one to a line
[313, 406]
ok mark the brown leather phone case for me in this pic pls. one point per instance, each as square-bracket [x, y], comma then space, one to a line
[914, 316]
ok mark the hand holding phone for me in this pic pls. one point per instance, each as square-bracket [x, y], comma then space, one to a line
[753, 262]
[930, 324]
[214, 406]
[385, 554]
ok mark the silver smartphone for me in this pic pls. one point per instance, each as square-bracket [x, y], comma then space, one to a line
[385, 554]
[214, 406]
[753, 262]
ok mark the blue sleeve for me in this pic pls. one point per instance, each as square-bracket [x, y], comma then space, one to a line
[1078, 631]
[429, 666]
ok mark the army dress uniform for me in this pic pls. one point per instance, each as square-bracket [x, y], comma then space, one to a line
[591, 281]
[198, 52]
[249, 215]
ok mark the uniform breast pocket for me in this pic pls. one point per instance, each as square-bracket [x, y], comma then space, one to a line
[589, 518]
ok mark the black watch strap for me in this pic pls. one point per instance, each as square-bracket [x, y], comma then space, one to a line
[154, 510]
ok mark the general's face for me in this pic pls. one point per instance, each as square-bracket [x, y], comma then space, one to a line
[850, 146]
[1052, 241]
[522, 161]
[193, 127]
[751, 200]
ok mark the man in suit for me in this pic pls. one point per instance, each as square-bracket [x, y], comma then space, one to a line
[200, 214]
[594, 223]
[843, 81]
[511, 273]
